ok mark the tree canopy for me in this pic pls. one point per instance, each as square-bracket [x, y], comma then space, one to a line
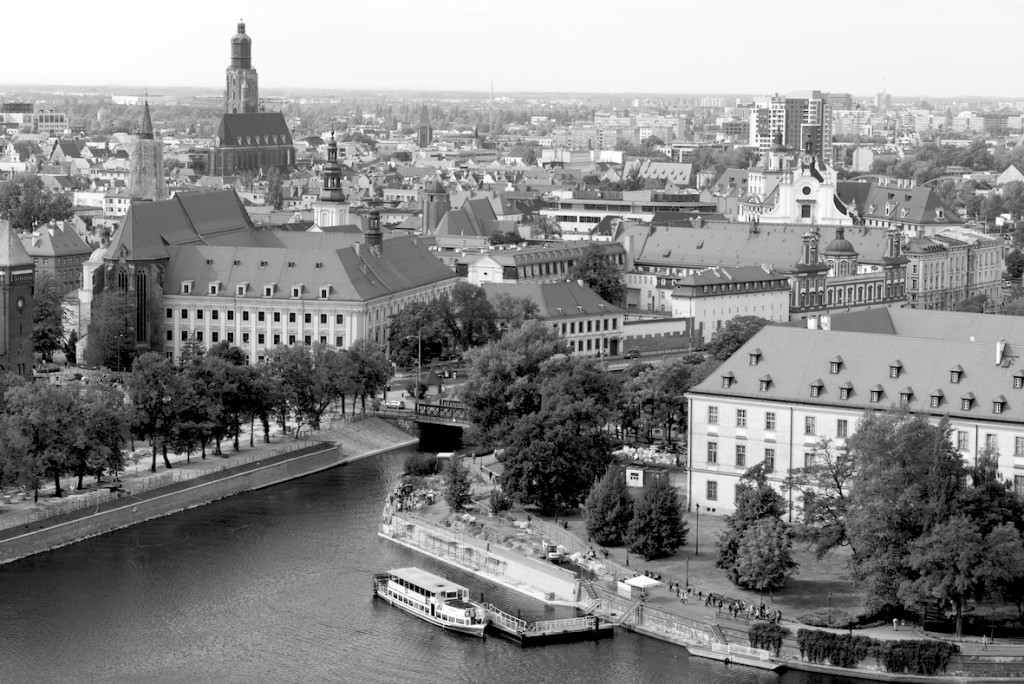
[734, 335]
[26, 203]
[657, 528]
[608, 508]
[600, 275]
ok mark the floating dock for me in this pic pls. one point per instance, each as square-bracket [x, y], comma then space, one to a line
[546, 631]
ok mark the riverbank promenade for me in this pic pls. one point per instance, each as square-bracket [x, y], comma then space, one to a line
[695, 567]
[356, 438]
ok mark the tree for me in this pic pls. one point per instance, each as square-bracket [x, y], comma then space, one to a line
[425, 320]
[511, 312]
[975, 304]
[275, 188]
[47, 317]
[71, 348]
[764, 558]
[656, 397]
[956, 560]
[26, 203]
[101, 431]
[906, 481]
[312, 378]
[111, 342]
[1015, 264]
[504, 379]
[505, 238]
[756, 500]
[657, 528]
[823, 489]
[456, 486]
[469, 315]
[551, 464]
[368, 370]
[608, 509]
[44, 414]
[153, 387]
[734, 335]
[1013, 198]
[541, 227]
[600, 275]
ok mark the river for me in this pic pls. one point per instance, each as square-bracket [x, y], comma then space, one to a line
[275, 586]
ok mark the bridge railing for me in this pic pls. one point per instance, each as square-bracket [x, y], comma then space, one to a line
[445, 412]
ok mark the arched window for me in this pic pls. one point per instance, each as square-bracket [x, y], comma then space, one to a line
[122, 279]
[842, 268]
[141, 308]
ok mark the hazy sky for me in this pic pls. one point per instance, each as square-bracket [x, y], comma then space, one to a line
[914, 47]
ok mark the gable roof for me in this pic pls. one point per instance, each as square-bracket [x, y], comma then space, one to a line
[563, 299]
[920, 205]
[253, 129]
[54, 239]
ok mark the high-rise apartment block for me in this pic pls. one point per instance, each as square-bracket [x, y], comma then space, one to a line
[804, 119]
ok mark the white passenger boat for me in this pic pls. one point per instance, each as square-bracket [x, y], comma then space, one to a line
[431, 598]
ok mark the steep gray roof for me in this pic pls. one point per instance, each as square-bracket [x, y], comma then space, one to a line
[12, 252]
[564, 299]
[795, 358]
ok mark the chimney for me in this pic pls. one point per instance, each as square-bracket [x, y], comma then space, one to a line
[1000, 347]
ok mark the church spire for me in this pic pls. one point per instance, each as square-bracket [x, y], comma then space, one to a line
[146, 132]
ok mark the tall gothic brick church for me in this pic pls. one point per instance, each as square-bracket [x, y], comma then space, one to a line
[249, 139]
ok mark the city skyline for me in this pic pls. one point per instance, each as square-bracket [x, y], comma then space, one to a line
[449, 45]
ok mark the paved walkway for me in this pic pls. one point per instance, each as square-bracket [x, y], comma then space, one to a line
[354, 438]
[623, 565]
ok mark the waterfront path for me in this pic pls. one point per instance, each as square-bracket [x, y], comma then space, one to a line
[355, 437]
[686, 565]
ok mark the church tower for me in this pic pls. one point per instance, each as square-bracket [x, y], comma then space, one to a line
[424, 133]
[242, 95]
[436, 203]
[331, 209]
[17, 278]
[146, 163]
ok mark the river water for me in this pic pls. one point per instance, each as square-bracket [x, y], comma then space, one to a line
[275, 586]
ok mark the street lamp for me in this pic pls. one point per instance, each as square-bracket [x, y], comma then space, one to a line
[696, 536]
[419, 367]
[830, 609]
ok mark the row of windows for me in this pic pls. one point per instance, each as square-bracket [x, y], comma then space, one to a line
[261, 316]
[591, 327]
[246, 338]
[810, 422]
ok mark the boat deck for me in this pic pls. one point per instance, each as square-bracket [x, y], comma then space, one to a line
[547, 631]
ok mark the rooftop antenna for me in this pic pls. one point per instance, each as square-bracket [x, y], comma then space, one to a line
[490, 129]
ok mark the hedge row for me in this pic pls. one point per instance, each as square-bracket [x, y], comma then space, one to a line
[845, 650]
[766, 635]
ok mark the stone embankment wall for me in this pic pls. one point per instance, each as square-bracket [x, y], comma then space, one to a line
[530, 575]
[196, 493]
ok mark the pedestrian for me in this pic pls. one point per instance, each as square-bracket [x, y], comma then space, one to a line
[894, 623]
[984, 642]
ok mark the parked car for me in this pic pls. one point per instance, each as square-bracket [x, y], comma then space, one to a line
[632, 354]
[394, 404]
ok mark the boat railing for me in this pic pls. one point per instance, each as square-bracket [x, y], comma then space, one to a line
[563, 625]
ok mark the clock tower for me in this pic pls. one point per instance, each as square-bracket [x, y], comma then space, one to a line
[17, 278]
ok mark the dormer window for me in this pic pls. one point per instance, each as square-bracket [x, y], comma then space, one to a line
[966, 401]
[940, 214]
[845, 390]
[755, 356]
[727, 380]
[905, 395]
[296, 290]
[240, 289]
[816, 387]
[876, 394]
[998, 403]
[936, 399]
[325, 292]
[186, 286]
[894, 369]
[1018, 380]
[765, 382]
[835, 364]
[954, 374]
[263, 264]
[268, 290]
[215, 287]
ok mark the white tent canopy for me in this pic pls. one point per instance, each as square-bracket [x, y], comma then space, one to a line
[642, 582]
